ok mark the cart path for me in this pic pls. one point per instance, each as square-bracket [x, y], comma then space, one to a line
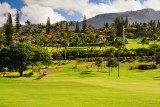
[45, 73]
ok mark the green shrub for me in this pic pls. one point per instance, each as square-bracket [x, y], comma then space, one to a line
[31, 73]
[112, 63]
[146, 67]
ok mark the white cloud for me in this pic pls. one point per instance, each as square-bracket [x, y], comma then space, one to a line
[39, 14]
[37, 11]
[5, 8]
[34, 13]
[84, 7]
[155, 4]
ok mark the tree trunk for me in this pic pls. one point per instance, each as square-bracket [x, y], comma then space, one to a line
[65, 52]
[88, 52]
[104, 64]
[109, 71]
[4, 74]
[118, 63]
[21, 73]
[98, 68]
[143, 49]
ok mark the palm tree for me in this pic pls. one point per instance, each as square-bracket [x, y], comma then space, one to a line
[106, 26]
[111, 54]
[62, 24]
[103, 45]
[110, 65]
[28, 22]
[57, 52]
[87, 41]
[66, 27]
[65, 43]
[144, 41]
[155, 37]
[99, 62]
[71, 23]
[2, 39]
[91, 28]
[56, 27]
[120, 47]
[77, 43]
[29, 26]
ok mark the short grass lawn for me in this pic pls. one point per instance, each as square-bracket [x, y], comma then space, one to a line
[83, 87]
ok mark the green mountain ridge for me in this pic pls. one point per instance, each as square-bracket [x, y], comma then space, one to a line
[144, 15]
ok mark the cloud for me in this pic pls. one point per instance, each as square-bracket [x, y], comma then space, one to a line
[39, 14]
[5, 8]
[155, 4]
[37, 11]
[90, 9]
[34, 13]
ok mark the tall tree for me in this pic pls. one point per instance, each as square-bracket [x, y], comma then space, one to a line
[119, 26]
[84, 24]
[158, 24]
[65, 43]
[99, 62]
[29, 27]
[66, 29]
[144, 41]
[2, 39]
[48, 26]
[77, 27]
[126, 22]
[106, 25]
[71, 23]
[155, 37]
[17, 22]
[28, 23]
[120, 47]
[21, 55]
[9, 30]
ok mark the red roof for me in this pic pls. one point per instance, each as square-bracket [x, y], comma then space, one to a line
[50, 36]
[24, 37]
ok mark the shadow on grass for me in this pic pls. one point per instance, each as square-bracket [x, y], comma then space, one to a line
[156, 78]
[16, 76]
[87, 74]
[130, 61]
[141, 71]
[12, 77]
[103, 71]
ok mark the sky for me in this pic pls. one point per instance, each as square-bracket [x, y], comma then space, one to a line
[37, 11]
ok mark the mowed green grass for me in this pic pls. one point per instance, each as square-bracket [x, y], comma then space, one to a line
[63, 87]
[132, 44]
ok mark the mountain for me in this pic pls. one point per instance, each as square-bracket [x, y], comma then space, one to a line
[144, 15]
[24, 27]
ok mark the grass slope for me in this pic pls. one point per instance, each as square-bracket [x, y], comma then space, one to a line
[132, 44]
[63, 87]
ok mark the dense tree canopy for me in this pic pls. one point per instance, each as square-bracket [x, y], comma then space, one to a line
[84, 24]
[48, 26]
[9, 30]
[17, 22]
[20, 56]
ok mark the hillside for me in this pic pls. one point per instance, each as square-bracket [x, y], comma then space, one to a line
[144, 15]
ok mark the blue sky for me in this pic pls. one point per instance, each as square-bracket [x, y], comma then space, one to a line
[18, 4]
[59, 10]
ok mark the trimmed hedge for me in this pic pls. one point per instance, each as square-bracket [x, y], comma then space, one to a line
[146, 67]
